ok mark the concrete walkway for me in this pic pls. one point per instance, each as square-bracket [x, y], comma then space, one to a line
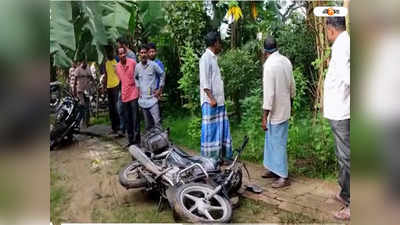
[310, 197]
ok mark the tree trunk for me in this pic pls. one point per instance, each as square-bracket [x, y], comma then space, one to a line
[234, 26]
[317, 24]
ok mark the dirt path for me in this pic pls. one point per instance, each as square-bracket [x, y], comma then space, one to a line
[91, 166]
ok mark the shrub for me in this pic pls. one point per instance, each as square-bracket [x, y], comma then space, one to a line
[241, 73]
[251, 124]
[189, 82]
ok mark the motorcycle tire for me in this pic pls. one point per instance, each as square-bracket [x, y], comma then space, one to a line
[190, 207]
[55, 134]
[126, 179]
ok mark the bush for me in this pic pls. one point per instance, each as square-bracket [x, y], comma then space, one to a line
[190, 82]
[241, 73]
[251, 124]
[300, 103]
[194, 128]
[311, 147]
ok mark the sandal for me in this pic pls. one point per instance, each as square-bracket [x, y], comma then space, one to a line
[343, 214]
[337, 197]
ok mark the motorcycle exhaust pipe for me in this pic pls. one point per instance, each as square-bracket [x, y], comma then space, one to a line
[139, 155]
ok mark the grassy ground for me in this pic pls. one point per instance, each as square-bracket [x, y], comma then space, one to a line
[310, 146]
[59, 196]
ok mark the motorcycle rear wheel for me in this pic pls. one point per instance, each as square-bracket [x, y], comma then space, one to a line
[129, 176]
[190, 204]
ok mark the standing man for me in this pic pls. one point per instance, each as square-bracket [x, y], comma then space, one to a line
[112, 82]
[279, 90]
[337, 105]
[71, 77]
[123, 43]
[152, 56]
[216, 140]
[129, 95]
[146, 74]
[81, 84]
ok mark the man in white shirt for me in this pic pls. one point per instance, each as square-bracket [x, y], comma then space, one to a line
[337, 105]
[216, 140]
[279, 90]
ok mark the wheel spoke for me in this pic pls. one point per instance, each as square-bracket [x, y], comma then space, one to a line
[193, 208]
[194, 198]
[208, 215]
[215, 208]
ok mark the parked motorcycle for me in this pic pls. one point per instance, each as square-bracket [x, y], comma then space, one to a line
[69, 114]
[198, 189]
[55, 95]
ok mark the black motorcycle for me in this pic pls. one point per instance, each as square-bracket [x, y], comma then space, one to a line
[68, 116]
[198, 189]
[55, 95]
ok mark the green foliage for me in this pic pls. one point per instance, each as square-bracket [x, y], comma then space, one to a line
[296, 43]
[300, 102]
[251, 124]
[189, 83]
[311, 150]
[186, 23]
[311, 147]
[79, 30]
[194, 128]
[241, 73]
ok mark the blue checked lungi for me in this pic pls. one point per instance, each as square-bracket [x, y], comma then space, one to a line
[216, 139]
[275, 154]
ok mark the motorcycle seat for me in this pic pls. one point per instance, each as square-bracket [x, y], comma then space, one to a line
[186, 160]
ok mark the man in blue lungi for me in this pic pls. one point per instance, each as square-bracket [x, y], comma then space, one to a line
[216, 140]
[279, 90]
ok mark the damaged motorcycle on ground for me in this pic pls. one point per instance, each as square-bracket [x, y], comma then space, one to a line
[68, 116]
[198, 189]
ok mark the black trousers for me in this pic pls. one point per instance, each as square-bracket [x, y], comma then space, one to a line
[112, 94]
[341, 131]
[133, 123]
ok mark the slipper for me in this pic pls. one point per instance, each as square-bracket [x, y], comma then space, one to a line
[338, 198]
[253, 188]
[343, 214]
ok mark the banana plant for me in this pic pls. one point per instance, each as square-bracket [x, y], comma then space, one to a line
[80, 29]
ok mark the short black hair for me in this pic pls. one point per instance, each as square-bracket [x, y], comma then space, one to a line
[109, 52]
[144, 46]
[270, 45]
[338, 22]
[151, 46]
[212, 37]
[122, 40]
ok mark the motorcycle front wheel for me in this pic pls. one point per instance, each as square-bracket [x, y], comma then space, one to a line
[191, 204]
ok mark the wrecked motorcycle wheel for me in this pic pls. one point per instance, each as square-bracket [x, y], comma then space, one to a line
[129, 176]
[191, 205]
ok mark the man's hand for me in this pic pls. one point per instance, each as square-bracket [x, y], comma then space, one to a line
[264, 120]
[213, 103]
[157, 93]
[264, 124]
